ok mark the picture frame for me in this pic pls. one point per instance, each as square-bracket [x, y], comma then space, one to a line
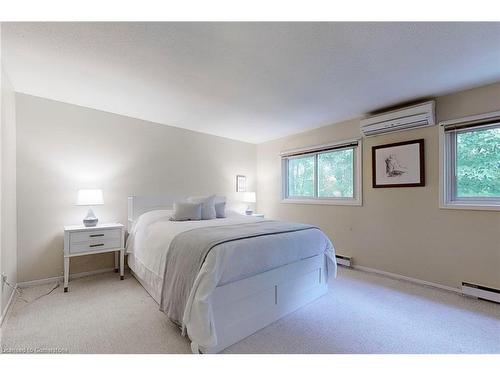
[400, 164]
[241, 183]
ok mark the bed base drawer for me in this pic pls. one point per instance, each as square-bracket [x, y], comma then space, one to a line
[246, 306]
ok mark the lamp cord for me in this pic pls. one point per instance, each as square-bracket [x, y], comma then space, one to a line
[20, 293]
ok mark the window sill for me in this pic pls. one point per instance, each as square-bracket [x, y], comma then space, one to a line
[469, 206]
[331, 202]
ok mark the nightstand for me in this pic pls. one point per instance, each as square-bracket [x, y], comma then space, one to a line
[258, 215]
[104, 238]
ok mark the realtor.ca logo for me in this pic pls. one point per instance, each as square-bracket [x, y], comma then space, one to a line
[34, 350]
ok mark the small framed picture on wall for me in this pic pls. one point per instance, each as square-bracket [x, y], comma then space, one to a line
[399, 164]
[241, 183]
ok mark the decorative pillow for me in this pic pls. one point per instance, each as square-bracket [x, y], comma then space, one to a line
[207, 206]
[220, 210]
[184, 211]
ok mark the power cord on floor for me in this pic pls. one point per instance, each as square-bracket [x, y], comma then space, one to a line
[20, 293]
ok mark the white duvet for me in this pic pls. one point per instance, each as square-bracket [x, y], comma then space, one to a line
[152, 233]
[150, 239]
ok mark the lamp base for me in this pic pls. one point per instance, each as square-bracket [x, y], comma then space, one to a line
[90, 220]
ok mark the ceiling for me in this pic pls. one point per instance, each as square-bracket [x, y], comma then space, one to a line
[248, 81]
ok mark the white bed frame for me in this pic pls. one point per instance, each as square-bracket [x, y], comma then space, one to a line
[243, 307]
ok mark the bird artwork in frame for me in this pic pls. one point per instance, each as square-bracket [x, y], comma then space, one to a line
[399, 164]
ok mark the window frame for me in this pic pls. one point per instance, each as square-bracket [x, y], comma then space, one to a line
[356, 200]
[448, 131]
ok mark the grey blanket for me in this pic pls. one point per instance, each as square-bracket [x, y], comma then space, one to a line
[188, 250]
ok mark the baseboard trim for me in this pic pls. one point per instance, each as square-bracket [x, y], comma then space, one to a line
[3, 317]
[25, 284]
[406, 278]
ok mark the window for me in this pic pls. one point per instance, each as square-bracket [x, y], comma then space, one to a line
[327, 174]
[301, 176]
[470, 150]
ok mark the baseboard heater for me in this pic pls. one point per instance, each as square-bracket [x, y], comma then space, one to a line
[343, 260]
[481, 292]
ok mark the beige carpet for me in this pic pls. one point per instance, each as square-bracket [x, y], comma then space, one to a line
[362, 313]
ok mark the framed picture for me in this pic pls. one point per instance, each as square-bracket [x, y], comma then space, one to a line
[398, 164]
[241, 183]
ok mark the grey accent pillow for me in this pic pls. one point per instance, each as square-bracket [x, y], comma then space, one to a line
[220, 210]
[207, 206]
[184, 211]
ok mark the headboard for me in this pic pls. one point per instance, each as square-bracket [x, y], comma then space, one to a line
[138, 205]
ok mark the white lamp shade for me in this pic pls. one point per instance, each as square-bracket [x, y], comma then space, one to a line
[249, 197]
[89, 197]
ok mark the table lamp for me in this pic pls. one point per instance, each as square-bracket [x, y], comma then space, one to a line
[90, 197]
[249, 197]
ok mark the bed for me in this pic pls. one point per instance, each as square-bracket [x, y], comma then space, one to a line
[242, 283]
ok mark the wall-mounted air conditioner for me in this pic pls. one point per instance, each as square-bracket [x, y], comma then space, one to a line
[416, 116]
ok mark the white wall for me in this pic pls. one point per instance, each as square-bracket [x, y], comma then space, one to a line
[399, 230]
[8, 217]
[63, 147]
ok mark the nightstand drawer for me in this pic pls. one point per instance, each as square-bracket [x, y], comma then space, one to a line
[94, 244]
[94, 240]
[99, 235]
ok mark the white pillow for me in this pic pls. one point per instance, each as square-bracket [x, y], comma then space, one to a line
[207, 206]
[184, 211]
[220, 210]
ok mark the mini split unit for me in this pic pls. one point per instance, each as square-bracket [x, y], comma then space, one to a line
[416, 116]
